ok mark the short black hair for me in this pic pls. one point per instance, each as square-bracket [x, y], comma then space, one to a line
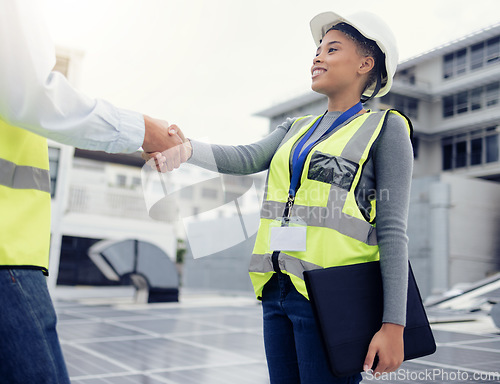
[366, 47]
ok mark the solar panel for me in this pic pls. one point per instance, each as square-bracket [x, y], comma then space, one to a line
[218, 343]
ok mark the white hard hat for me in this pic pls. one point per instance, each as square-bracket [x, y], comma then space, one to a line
[370, 26]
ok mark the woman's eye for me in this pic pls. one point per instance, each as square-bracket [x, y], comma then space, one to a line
[330, 50]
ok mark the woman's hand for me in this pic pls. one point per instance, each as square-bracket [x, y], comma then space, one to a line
[387, 344]
[169, 160]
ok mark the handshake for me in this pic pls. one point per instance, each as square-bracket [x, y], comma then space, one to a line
[165, 144]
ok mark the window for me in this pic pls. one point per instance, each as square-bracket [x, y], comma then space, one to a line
[447, 153]
[470, 149]
[54, 155]
[477, 56]
[491, 145]
[460, 152]
[472, 100]
[405, 104]
[455, 63]
[407, 76]
[461, 62]
[448, 106]
[493, 50]
[399, 103]
[121, 180]
[476, 151]
[476, 97]
[412, 108]
[462, 102]
[448, 66]
[492, 94]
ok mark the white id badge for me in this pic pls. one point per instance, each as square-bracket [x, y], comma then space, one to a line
[291, 237]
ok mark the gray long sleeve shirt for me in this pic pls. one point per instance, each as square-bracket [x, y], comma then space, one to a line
[387, 174]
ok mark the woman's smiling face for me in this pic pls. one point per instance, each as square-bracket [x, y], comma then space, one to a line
[337, 66]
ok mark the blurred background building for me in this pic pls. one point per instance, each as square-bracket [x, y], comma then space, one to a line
[452, 96]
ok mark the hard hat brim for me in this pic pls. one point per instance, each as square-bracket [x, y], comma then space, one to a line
[322, 22]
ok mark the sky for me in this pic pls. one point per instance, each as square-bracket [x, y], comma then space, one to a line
[210, 65]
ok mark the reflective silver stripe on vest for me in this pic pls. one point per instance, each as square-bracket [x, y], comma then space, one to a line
[296, 127]
[330, 216]
[264, 264]
[23, 177]
[356, 146]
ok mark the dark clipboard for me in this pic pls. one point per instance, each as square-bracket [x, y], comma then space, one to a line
[347, 303]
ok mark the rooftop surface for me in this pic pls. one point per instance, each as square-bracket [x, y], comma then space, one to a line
[214, 339]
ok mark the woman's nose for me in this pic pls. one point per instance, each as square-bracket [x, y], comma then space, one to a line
[317, 58]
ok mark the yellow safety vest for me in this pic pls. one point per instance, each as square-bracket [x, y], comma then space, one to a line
[24, 199]
[337, 231]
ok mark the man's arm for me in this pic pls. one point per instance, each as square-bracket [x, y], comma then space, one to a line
[35, 98]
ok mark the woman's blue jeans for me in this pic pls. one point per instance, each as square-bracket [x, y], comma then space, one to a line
[29, 346]
[293, 346]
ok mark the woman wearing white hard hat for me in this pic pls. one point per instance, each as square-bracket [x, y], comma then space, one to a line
[335, 175]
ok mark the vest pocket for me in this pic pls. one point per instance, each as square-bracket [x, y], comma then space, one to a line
[334, 170]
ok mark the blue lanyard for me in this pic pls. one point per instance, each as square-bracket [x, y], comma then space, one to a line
[299, 156]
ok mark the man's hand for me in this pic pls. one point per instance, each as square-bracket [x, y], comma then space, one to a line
[387, 344]
[160, 137]
[174, 129]
[166, 158]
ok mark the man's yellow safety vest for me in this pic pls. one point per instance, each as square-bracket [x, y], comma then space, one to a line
[24, 199]
[337, 231]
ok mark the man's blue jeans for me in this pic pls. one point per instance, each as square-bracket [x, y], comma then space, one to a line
[29, 347]
[292, 341]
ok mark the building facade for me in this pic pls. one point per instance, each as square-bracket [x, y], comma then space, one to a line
[452, 96]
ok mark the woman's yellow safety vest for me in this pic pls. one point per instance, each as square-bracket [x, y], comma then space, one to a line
[337, 231]
[24, 199]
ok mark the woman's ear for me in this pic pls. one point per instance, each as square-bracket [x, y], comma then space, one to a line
[367, 65]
